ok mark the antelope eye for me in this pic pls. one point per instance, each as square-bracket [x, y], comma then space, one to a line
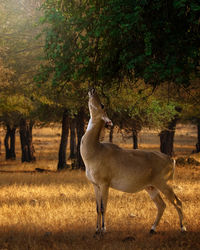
[102, 106]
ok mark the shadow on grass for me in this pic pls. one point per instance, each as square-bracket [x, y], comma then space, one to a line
[76, 238]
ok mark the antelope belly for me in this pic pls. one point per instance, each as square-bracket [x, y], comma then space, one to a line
[125, 186]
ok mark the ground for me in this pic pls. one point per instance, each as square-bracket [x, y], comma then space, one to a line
[56, 210]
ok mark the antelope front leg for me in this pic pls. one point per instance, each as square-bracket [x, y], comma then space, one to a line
[101, 193]
[98, 208]
[104, 199]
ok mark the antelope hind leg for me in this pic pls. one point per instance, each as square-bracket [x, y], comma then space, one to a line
[160, 204]
[170, 195]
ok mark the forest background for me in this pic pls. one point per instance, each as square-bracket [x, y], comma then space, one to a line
[143, 58]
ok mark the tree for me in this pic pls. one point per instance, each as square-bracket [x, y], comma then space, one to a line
[80, 133]
[73, 143]
[26, 140]
[61, 68]
[191, 108]
[134, 105]
[5, 105]
[167, 135]
[18, 32]
[9, 142]
[157, 41]
[107, 43]
[62, 161]
[198, 136]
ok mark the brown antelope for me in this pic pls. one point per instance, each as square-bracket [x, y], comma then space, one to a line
[108, 165]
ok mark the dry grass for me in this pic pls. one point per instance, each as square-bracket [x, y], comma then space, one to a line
[57, 210]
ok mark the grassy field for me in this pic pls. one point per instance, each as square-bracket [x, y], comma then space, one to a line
[57, 210]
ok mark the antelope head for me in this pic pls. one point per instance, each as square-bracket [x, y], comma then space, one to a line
[96, 108]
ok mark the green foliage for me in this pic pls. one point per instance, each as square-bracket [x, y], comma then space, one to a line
[110, 43]
[102, 41]
[157, 40]
[135, 105]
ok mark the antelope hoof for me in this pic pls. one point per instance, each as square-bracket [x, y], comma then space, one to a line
[98, 231]
[183, 229]
[152, 231]
[98, 234]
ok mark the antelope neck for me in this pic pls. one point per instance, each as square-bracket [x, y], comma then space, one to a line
[93, 130]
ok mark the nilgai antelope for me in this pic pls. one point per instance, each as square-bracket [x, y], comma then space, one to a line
[108, 165]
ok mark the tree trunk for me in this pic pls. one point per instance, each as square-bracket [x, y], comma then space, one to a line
[9, 142]
[12, 143]
[26, 139]
[72, 139]
[111, 134]
[62, 162]
[6, 142]
[198, 136]
[135, 138]
[167, 136]
[80, 132]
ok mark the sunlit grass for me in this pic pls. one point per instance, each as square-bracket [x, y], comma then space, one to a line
[57, 211]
